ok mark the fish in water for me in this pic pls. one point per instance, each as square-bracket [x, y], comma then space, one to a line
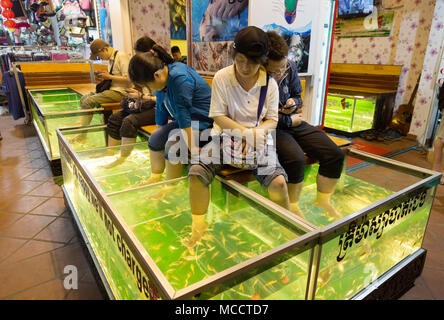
[232, 255]
[270, 283]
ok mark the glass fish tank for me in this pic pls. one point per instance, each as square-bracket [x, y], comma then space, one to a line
[253, 249]
[57, 108]
[349, 113]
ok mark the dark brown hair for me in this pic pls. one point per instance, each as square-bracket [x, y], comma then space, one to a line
[144, 44]
[278, 47]
[143, 66]
[259, 60]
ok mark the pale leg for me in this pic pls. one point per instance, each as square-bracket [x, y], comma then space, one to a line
[278, 192]
[294, 192]
[199, 201]
[326, 187]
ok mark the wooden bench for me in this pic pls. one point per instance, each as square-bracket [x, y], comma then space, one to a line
[75, 75]
[59, 73]
[368, 80]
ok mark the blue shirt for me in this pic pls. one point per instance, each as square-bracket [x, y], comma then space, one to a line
[289, 87]
[187, 98]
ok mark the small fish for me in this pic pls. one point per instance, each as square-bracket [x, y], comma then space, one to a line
[270, 283]
[285, 280]
[211, 249]
[255, 282]
[247, 254]
[172, 248]
[255, 296]
[223, 238]
[232, 256]
[255, 244]
[241, 243]
[189, 258]
[157, 247]
[241, 287]
[175, 263]
[214, 255]
[211, 269]
[233, 237]
[192, 268]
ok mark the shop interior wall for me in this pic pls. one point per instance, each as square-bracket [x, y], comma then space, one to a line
[120, 25]
[406, 45]
[425, 106]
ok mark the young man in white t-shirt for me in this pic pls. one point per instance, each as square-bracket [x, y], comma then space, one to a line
[236, 92]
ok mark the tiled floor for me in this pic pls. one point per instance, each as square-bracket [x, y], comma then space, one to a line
[38, 239]
[37, 235]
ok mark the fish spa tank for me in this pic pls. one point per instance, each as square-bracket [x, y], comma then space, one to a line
[349, 113]
[253, 249]
[57, 108]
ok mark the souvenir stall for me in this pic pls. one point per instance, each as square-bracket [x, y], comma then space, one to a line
[49, 22]
[253, 248]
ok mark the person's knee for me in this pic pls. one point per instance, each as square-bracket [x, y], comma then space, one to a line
[278, 185]
[338, 155]
[295, 169]
[155, 143]
[89, 102]
[128, 128]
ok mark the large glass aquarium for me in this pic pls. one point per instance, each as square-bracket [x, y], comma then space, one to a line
[349, 113]
[56, 108]
[253, 248]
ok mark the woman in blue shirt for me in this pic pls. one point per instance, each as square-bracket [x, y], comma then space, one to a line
[182, 102]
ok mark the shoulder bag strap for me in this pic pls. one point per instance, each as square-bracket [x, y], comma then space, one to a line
[262, 97]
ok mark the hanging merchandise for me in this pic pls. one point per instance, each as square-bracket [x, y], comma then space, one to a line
[7, 4]
[18, 9]
[72, 22]
[8, 14]
[10, 24]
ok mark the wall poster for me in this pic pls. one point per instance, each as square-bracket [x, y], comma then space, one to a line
[215, 23]
[293, 20]
[178, 19]
[104, 21]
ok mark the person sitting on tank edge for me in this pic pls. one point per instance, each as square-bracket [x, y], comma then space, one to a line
[294, 136]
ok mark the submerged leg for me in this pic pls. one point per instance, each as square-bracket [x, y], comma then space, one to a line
[326, 187]
[173, 171]
[199, 201]
[278, 193]
[294, 192]
[157, 161]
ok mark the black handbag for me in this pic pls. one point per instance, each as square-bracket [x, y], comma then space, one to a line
[106, 84]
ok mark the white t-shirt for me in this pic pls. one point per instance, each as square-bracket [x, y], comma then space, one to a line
[229, 99]
[120, 69]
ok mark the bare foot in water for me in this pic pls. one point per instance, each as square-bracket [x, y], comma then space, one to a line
[198, 229]
[327, 206]
[294, 207]
[116, 162]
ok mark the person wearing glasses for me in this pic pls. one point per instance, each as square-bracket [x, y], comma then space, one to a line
[182, 99]
[244, 106]
[294, 136]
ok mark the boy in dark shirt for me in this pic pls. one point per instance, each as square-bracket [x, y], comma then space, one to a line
[294, 136]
